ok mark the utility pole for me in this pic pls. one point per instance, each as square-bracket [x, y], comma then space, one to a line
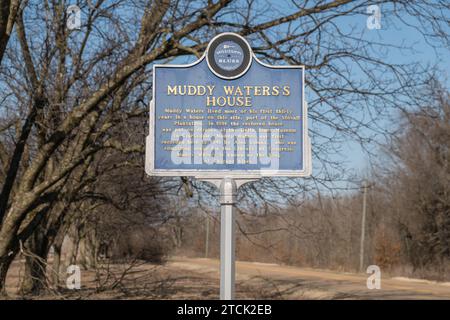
[363, 227]
[207, 235]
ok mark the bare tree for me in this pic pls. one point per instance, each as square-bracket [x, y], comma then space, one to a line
[8, 12]
[417, 182]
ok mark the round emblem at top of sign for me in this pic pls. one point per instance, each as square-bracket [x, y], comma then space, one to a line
[228, 56]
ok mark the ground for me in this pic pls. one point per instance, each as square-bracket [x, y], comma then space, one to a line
[190, 278]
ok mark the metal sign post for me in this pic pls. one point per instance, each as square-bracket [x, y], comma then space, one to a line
[228, 191]
[228, 119]
[228, 188]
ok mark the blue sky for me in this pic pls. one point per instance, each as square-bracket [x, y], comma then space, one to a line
[396, 33]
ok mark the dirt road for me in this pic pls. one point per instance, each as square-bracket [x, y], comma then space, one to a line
[285, 282]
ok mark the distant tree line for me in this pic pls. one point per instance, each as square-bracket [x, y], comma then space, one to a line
[408, 209]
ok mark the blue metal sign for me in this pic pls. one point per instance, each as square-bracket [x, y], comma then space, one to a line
[228, 114]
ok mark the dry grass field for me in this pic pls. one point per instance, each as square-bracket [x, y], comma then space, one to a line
[188, 278]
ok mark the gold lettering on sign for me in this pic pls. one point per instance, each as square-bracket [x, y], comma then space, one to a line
[190, 90]
[233, 107]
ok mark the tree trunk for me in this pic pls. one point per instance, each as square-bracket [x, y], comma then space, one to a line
[5, 263]
[88, 249]
[8, 251]
[57, 246]
[36, 251]
[74, 250]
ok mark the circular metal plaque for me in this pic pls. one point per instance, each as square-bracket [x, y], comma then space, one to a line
[229, 56]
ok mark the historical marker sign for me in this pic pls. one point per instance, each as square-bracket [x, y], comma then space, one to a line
[228, 114]
[228, 119]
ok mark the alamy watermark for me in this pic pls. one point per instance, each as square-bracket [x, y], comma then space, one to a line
[73, 17]
[73, 281]
[374, 280]
[73, 13]
[242, 146]
[374, 18]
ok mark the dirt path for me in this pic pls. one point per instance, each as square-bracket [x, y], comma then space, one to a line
[188, 278]
[300, 283]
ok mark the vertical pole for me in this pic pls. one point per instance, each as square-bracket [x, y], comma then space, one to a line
[363, 229]
[227, 238]
[207, 236]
